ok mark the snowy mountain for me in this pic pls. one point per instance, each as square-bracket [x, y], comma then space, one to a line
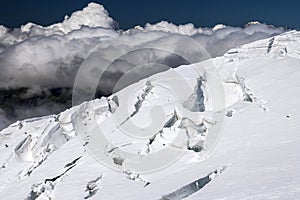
[223, 128]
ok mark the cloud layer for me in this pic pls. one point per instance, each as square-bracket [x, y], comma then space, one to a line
[36, 60]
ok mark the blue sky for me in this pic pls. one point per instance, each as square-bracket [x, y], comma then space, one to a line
[129, 13]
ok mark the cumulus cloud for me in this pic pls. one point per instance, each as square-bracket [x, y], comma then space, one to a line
[50, 56]
[39, 64]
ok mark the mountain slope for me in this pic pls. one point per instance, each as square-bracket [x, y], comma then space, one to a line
[251, 126]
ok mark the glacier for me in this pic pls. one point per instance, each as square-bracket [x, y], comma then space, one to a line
[244, 146]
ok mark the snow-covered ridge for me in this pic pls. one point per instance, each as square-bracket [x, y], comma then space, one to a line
[45, 157]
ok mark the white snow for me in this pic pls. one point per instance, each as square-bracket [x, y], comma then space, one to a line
[255, 157]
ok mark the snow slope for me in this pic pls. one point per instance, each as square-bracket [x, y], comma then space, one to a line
[253, 120]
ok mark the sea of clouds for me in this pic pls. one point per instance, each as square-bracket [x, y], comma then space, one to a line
[38, 65]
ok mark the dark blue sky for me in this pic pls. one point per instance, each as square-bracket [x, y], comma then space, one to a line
[129, 13]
